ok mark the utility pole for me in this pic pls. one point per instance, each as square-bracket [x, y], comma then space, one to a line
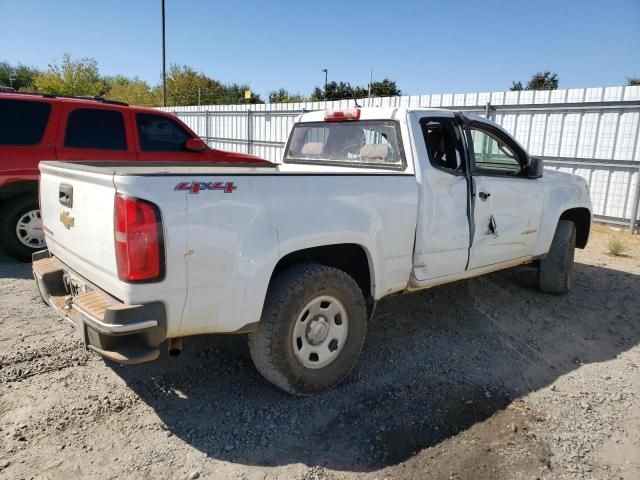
[326, 74]
[370, 84]
[164, 63]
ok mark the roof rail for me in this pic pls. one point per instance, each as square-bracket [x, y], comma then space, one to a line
[78, 97]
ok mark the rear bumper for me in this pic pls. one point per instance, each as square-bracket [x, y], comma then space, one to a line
[123, 333]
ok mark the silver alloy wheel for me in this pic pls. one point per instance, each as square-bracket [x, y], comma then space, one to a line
[320, 332]
[29, 229]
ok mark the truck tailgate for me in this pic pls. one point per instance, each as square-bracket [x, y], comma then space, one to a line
[77, 215]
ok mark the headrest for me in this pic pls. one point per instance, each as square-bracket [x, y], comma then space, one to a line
[312, 148]
[374, 152]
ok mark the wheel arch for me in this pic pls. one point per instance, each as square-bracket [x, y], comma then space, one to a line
[352, 258]
[581, 217]
[14, 189]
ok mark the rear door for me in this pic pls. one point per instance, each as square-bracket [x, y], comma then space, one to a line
[98, 132]
[442, 233]
[507, 204]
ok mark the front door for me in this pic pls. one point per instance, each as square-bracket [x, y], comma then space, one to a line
[507, 204]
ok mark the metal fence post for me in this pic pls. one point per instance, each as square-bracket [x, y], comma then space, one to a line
[636, 204]
[206, 126]
[249, 134]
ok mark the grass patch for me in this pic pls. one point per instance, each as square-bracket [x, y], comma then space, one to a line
[617, 246]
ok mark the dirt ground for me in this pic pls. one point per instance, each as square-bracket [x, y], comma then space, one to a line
[481, 379]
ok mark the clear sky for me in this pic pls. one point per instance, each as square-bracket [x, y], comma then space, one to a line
[425, 46]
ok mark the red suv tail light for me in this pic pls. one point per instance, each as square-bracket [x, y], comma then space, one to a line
[139, 243]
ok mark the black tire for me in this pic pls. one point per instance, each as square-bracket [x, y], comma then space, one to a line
[555, 271]
[272, 345]
[11, 213]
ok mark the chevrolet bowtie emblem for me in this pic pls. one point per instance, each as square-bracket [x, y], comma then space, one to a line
[67, 220]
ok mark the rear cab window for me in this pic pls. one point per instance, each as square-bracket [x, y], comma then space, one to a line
[23, 123]
[92, 128]
[364, 143]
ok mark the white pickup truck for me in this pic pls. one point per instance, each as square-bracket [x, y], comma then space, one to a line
[366, 203]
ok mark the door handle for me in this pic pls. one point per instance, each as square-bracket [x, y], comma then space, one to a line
[484, 195]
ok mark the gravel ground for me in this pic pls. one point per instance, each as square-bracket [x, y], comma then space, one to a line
[480, 379]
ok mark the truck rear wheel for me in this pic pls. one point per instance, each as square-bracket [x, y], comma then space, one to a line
[21, 227]
[312, 329]
[555, 271]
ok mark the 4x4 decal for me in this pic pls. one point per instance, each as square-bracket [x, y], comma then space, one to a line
[195, 187]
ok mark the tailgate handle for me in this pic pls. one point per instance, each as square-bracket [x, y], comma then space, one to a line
[65, 195]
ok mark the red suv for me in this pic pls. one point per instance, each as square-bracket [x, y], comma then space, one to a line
[35, 127]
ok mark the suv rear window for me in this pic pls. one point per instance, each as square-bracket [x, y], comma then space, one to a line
[372, 143]
[158, 133]
[95, 129]
[23, 122]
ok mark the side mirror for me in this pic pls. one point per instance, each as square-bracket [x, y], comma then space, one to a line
[535, 167]
[195, 145]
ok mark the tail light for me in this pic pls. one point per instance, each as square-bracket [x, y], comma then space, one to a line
[352, 114]
[139, 242]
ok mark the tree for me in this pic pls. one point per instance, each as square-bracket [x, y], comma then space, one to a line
[337, 91]
[283, 96]
[385, 88]
[539, 81]
[342, 90]
[72, 77]
[633, 81]
[183, 84]
[234, 94]
[133, 91]
[21, 76]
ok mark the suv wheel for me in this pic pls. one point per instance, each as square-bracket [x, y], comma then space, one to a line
[21, 227]
[312, 329]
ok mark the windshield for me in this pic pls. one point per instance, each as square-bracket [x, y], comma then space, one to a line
[367, 142]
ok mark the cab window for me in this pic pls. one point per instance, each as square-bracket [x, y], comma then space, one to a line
[493, 154]
[95, 129]
[363, 143]
[23, 123]
[440, 139]
[158, 133]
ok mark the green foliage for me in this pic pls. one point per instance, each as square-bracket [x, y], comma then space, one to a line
[184, 83]
[21, 76]
[283, 96]
[341, 90]
[385, 88]
[234, 94]
[617, 246]
[133, 91]
[72, 77]
[633, 81]
[539, 81]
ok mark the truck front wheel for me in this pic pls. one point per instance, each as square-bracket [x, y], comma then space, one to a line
[555, 271]
[312, 329]
[21, 227]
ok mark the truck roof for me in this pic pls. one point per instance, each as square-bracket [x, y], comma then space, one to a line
[374, 113]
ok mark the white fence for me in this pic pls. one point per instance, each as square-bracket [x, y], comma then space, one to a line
[592, 132]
